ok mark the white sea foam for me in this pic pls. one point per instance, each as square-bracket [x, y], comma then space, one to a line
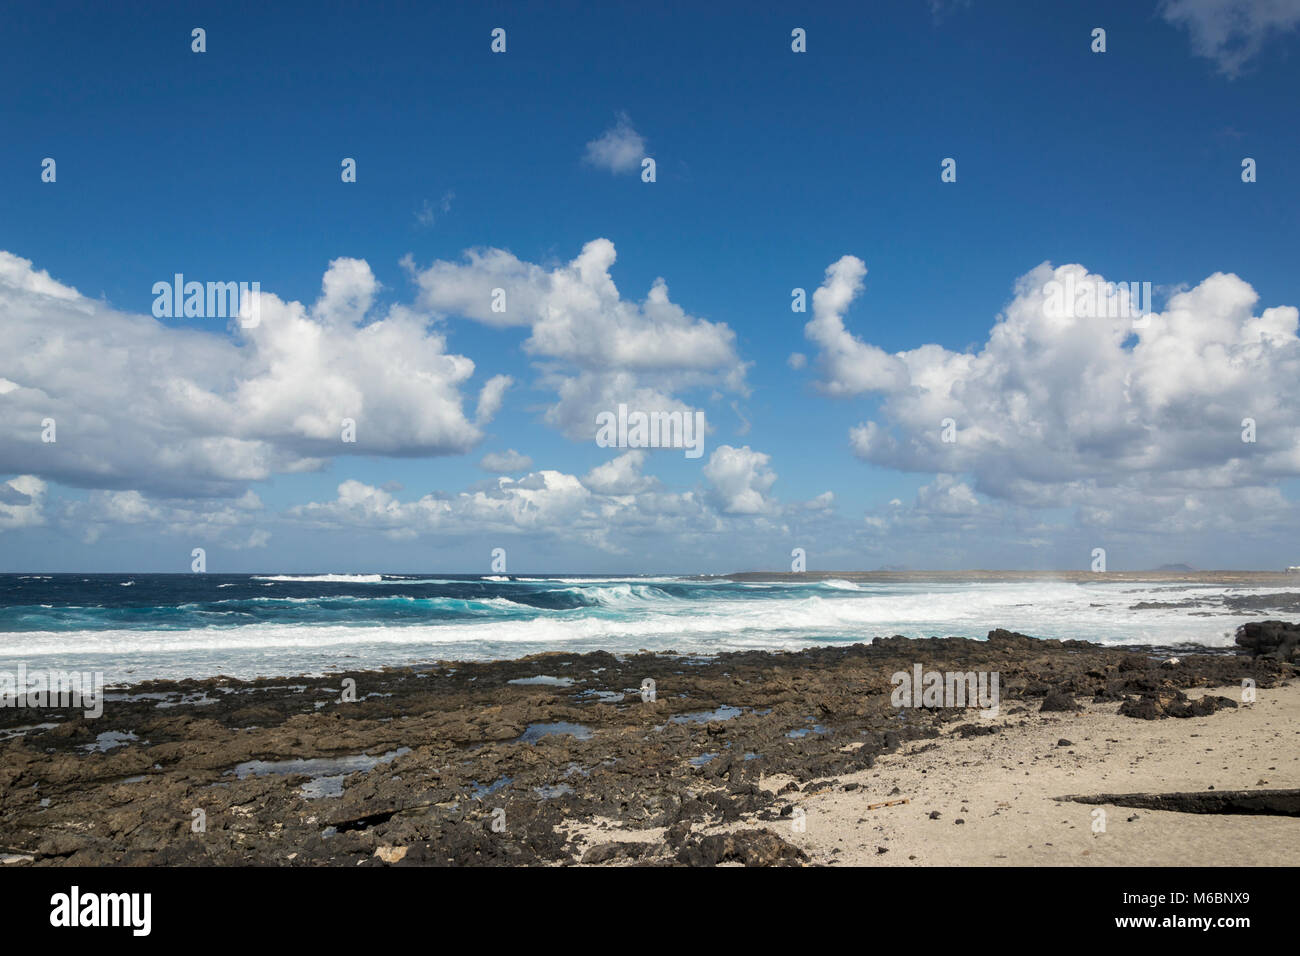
[628, 614]
[636, 580]
[323, 578]
[836, 584]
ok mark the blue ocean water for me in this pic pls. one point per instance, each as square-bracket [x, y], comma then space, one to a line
[135, 627]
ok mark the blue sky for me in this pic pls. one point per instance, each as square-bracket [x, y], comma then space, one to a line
[770, 167]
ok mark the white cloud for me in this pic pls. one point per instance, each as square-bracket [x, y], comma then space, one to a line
[22, 501]
[614, 508]
[347, 292]
[429, 212]
[507, 461]
[1124, 424]
[741, 480]
[619, 149]
[543, 502]
[234, 524]
[947, 496]
[145, 406]
[823, 502]
[490, 398]
[592, 347]
[849, 366]
[1232, 32]
[621, 475]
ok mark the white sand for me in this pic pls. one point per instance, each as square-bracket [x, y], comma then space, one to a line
[1002, 785]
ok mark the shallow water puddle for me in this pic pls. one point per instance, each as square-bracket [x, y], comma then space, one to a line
[327, 772]
[553, 792]
[541, 680]
[163, 698]
[607, 696]
[805, 731]
[535, 732]
[484, 790]
[23, 731]
[725, 712]
[110, 739]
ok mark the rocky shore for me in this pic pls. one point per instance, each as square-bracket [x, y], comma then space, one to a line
[559, 758]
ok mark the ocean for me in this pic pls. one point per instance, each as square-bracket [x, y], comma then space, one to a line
[136, 627]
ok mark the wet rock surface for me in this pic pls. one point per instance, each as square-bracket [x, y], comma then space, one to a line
[482, 764]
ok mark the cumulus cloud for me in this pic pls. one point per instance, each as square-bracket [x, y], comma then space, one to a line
[145, 406]
[506, 461]
[1123, 420]
[848, 365]
[543, 502]
[593, 348]
[1231, 32]
[491, 397]
[619, 149]
[741, 480]
[946, 495]
[614, 508]
[234, 524]
[621, 475]
[159, 420]
[823, 502]
[22, 501]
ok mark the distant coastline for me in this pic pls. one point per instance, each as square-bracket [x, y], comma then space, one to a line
[1253, 578]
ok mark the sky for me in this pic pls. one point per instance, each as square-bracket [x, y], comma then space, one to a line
[925, 172]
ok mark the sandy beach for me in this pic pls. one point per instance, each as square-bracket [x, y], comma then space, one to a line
[989, 800]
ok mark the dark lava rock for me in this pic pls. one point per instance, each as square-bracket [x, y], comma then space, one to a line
[678, 834]
[1143, 708]
[977, 730]
[605, 852]
[1276, 639]
[1284, 803]
[750, 847]
[1059, 701]
[1286, 602]
[1171, 702]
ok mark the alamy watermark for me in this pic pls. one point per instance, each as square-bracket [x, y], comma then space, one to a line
[213, 300]
[922, 688]
[75, 908]
[45, 688]
[1090, 299]
[637, 429]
